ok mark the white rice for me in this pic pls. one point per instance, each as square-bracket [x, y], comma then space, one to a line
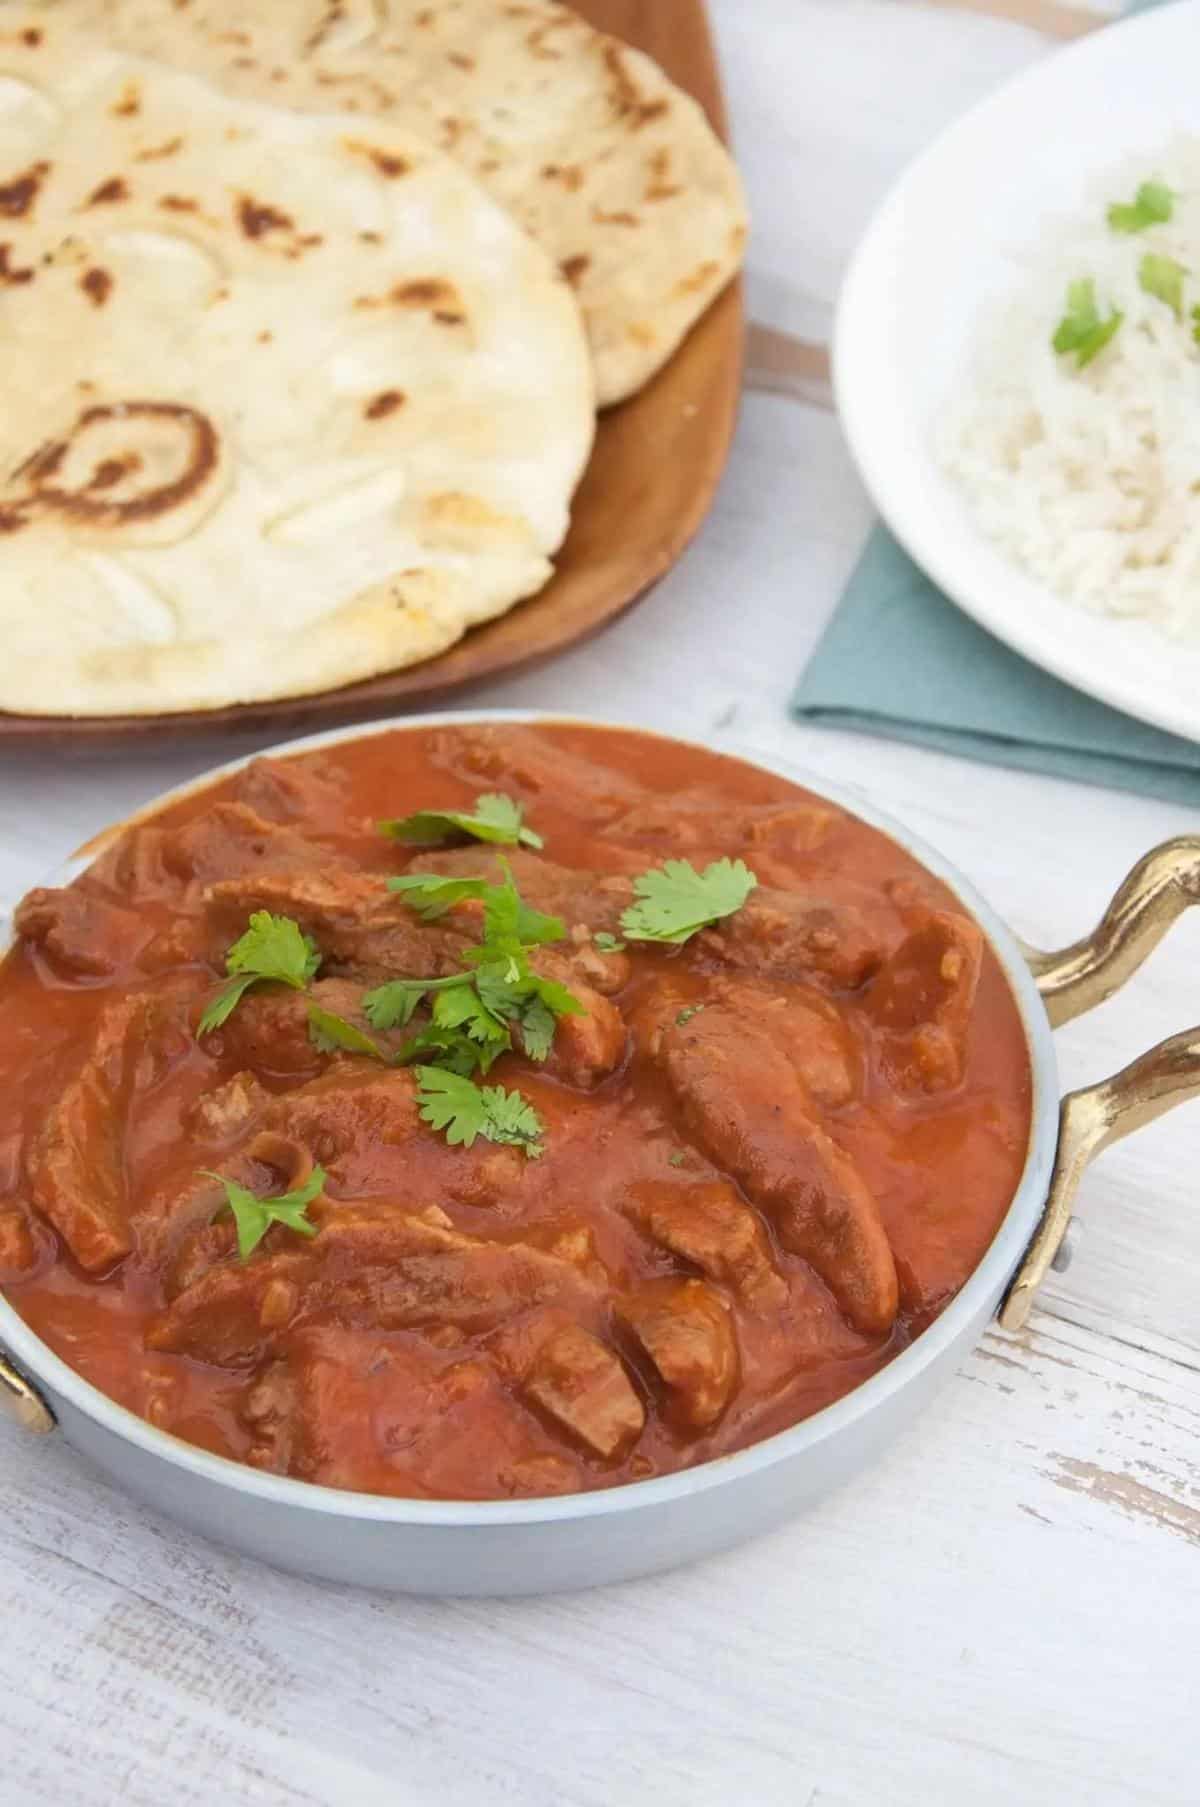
[1091, 478]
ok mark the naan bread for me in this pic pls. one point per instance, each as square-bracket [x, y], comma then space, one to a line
[288, 401]
[610, 167]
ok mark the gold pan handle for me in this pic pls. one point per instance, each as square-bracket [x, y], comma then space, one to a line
[22, 1402]
[1159, 889]
[1077, 978]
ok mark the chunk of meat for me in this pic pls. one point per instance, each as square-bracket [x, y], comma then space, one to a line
[347, 1406]
[199, 1240]
[270, 1032]
[520, 759]
[370, 1265]
[810, 1029]
[308, 791]
[353, 1107]
[134, 864]
[839, 934]
[81, 935]
[582, 1385]
[607, 973]
[710, 1226]
[359, 926]
[588, 1047]
[707, 827]
[19, 1252]
[227, 1110]
[269, 1409]
[920, 1001]
[742, 1100]
[231, 838]
[185, 1230]
[75, 1163]
[687, 1330]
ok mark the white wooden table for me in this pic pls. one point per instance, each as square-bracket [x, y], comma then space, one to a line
[1007, 1609]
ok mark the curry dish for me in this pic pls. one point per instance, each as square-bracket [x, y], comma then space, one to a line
[657, 1106]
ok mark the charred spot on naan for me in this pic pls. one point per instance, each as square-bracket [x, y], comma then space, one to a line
[433, 295]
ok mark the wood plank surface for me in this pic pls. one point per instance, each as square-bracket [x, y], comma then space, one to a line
[1005, 1610]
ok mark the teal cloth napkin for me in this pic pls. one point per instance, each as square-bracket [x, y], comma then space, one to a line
[930, 675]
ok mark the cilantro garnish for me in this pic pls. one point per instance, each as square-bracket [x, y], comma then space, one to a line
[687, 1013]
[254, 1216]
[677, 1159]
[606, 943]
[495, 818]
[1163, 278]
[509, 921]
[674, 900]
[393, 1006]
[464, 1111]
[272, 947]
[451, 1049]
[329, 1032]
[431, 896]
[473, 1012]
[1153, 204]
[1081, 330]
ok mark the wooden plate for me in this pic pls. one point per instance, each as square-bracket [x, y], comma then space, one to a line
[651, 480]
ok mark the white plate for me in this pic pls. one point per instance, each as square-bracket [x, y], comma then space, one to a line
[934, 259]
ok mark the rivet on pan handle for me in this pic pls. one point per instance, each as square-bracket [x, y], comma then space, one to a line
[21, 1401]
[1159, 889]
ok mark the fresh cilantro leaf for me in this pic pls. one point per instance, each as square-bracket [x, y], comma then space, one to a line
[556, 997]
[535, 1003]
[495, 818]
[328, 1032]
[431, 896]
[393, 1006]
[678, 1158]
[686, 1014]
[273, 947]
[500, 984]
[1163, 278]
[1081, 330]
[509, 922]
[461, 1007]
[465, 1111]
[512, 1119]
[452, 1049]
[225, 1003]
[1153, 205]
[674, 900]
[606, 943]
[254, 1216]
[538, 1024]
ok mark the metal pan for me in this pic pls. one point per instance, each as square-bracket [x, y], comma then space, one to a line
[538, 1546]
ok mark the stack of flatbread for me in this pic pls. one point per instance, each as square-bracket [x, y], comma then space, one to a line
[307, 309]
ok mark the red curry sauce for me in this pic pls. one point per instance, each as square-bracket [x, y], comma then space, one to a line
[742, 1211]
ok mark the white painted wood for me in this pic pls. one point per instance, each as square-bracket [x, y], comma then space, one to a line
[1007, 1610]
